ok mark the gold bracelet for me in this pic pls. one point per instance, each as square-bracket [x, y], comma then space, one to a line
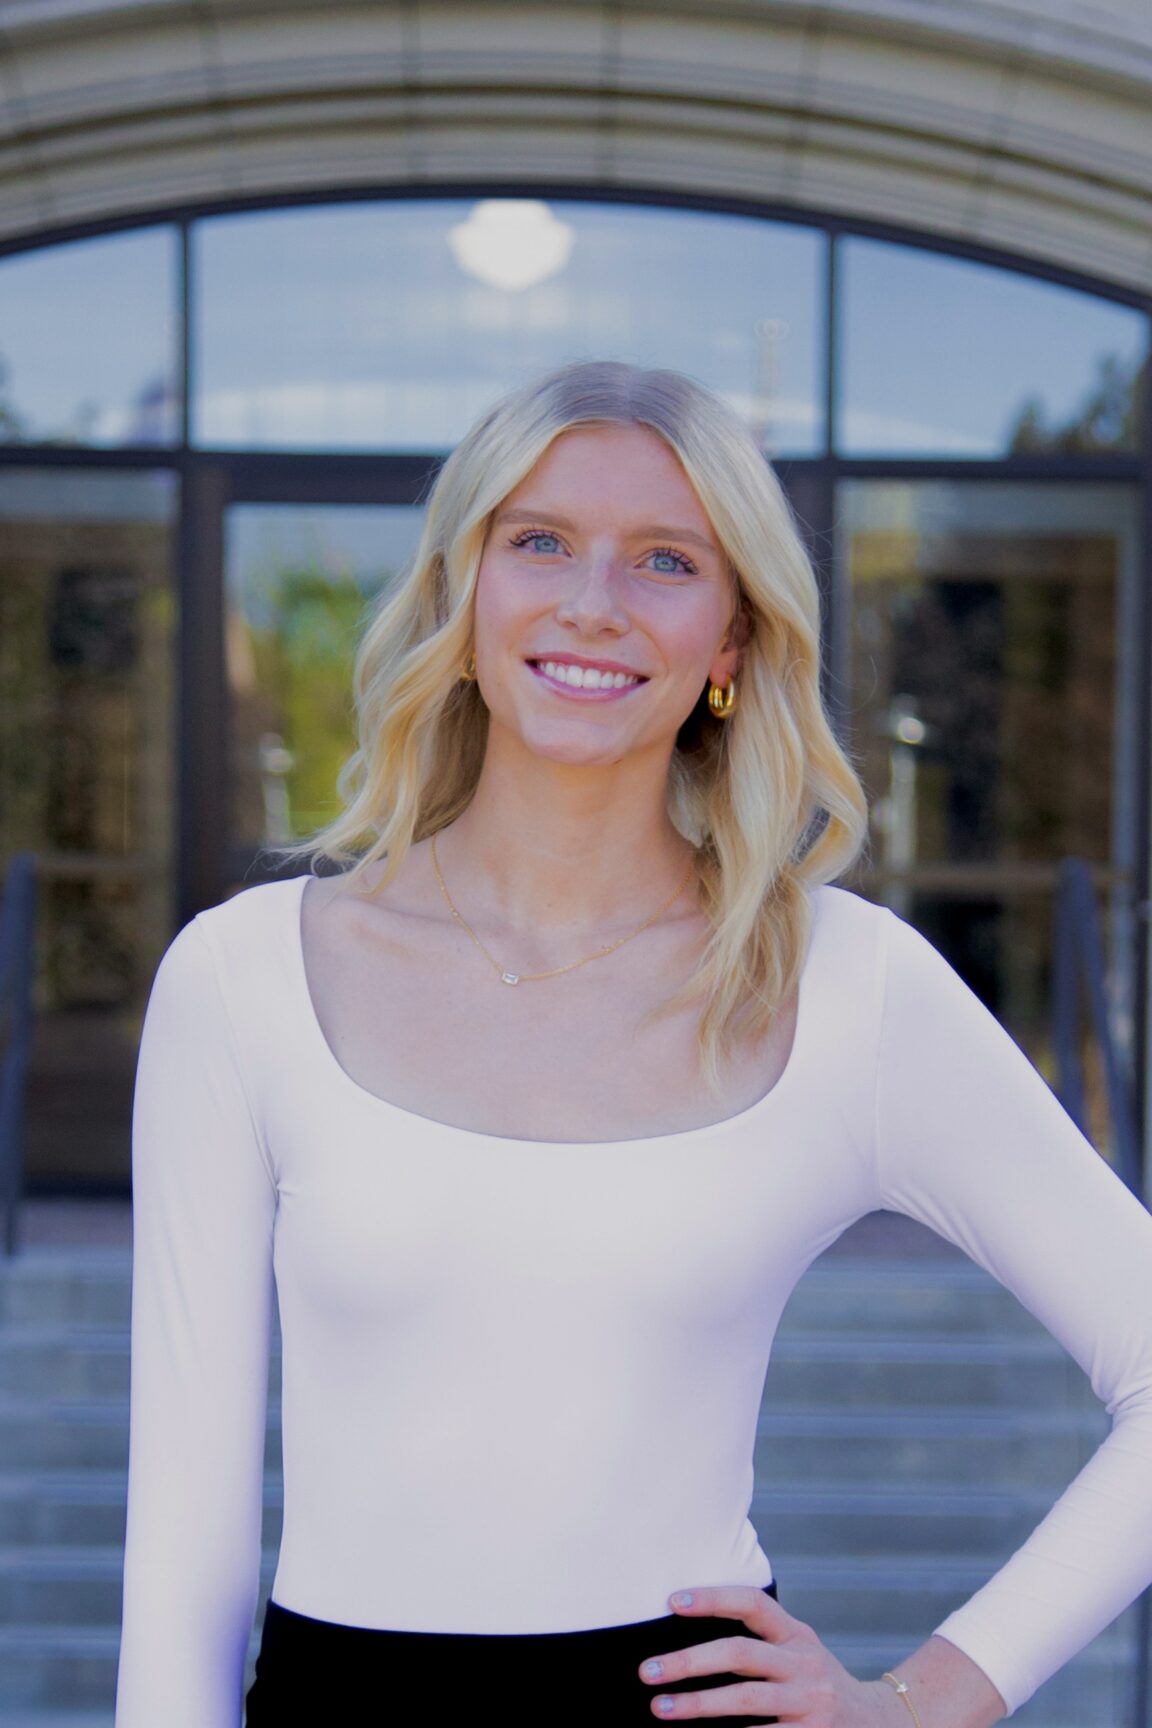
[902, 1687]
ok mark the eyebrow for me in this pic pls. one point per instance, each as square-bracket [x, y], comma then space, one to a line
[523, 513]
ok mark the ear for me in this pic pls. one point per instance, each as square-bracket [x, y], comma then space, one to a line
[727, 661]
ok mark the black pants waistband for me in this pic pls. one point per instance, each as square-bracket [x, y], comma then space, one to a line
[399, 1679]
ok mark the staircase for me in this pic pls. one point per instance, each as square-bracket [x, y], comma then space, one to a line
[917, 1423]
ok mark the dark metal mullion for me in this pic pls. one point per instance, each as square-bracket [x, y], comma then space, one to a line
[1141, 1716]
[202, 694]
[835, 591]
[1143, 756]
[302, 478]
[184, 313]
[326, 471]
[831, 343]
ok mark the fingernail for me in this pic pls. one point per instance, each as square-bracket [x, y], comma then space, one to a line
[653, 1669]
[682, 1599]
[666, 1704]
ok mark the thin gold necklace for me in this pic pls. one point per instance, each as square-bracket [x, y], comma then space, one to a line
[507, 977]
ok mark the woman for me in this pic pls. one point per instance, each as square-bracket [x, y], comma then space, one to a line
[532, 1120]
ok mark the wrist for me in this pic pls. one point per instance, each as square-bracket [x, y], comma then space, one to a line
[889, 1708]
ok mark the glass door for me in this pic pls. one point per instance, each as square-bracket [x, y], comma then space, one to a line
[299, 580]
[88, 784]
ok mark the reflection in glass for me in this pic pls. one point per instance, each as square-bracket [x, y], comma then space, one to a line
[300, 582]
[985, 644]
[993, 708]
[88, 341]
[394, 324]
[1002, 946]
[511, 242]
[943, 356]
[87, 621]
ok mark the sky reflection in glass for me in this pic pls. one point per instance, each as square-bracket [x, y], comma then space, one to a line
[941, 356]
[360, 326]
[88, 341]
[357, 327]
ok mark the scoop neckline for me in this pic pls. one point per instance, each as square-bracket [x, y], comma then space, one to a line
[726, 1125]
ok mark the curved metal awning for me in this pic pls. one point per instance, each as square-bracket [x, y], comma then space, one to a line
[1024, 125]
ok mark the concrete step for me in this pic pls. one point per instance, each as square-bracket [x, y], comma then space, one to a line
[62, 1507]
[875, 1519]
[34, 1718]
[84, 1287]
[881, 1369]
[57, 1668]
[951, 1448]
[905, 1297]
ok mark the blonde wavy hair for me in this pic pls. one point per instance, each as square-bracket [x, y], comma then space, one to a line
[767, 796]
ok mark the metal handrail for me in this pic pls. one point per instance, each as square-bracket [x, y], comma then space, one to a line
[17, 954]
[1078, 956]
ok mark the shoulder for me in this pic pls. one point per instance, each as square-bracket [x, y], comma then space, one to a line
[249, 937]
[844, 902]
[234, 964]
[847, 913]
[849, 945]
[250, 911]
[898, 947]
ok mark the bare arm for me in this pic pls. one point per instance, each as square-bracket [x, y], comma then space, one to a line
[946, 1687]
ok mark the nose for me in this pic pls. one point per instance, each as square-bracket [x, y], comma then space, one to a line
[591, 601]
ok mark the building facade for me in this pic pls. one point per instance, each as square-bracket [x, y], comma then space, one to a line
[262, 262]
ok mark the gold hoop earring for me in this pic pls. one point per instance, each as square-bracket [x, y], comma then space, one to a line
[722, 698]
[469, 671]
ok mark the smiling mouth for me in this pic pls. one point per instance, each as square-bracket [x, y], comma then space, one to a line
[586, 677]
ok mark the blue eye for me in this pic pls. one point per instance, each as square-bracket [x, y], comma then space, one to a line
[529, 536]
[685, 564]
[532, 534]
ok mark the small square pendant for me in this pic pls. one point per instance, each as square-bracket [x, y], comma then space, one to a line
[509, 978]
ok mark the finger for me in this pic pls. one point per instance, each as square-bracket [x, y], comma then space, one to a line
[756, 1698]
[739, 1602]
[735, 1655]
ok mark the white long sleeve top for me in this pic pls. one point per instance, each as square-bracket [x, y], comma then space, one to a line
[539, 1364]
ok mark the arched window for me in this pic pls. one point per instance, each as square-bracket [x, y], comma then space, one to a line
[216, 430]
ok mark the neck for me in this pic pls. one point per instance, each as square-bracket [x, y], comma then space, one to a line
[557, 848]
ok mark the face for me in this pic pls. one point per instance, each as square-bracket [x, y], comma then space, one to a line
[602, 559]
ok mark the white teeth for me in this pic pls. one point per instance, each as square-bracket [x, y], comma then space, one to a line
[587, 677]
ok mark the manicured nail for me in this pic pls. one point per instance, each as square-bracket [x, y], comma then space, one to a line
[653, 1669]
[667, 1705]
[682, 1599]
